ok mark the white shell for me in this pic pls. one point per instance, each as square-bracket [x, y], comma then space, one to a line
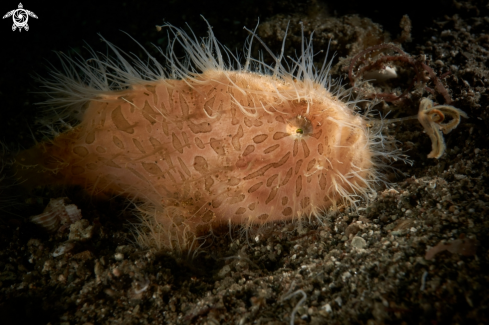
[57, 213]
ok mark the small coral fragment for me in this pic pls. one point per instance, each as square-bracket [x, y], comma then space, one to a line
[81, 230]
[432, 117]
[57, 215]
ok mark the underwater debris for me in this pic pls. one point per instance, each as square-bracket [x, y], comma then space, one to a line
[289, 295]
[462, 246]
[372, 63]
[58, 215]
[374, 60]
[431, 118]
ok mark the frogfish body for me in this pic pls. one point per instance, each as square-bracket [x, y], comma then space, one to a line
[215, 147]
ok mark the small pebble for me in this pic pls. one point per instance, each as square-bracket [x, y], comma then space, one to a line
[358, 242]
